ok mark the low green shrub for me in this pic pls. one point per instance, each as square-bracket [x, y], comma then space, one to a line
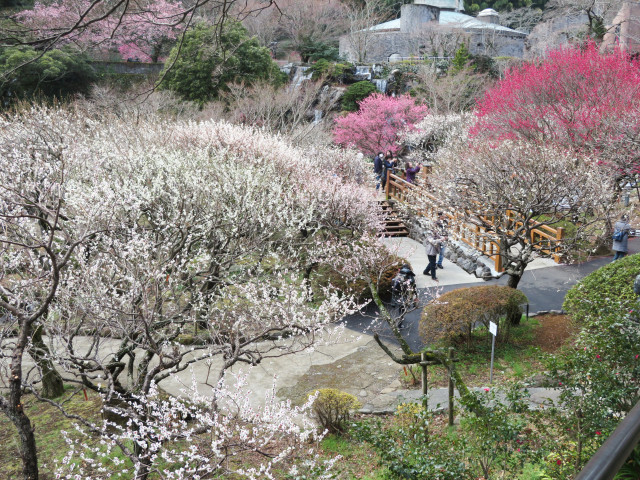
[605, 291]
[408, 450]
[455, 314]
[332, 71]
[332, 409]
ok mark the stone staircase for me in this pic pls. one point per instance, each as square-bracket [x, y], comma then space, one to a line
[393, 225]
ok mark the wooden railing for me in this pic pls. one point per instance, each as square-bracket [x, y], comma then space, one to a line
[477, 234]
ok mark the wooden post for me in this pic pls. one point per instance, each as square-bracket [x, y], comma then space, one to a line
[559, 237]
[498, 260]
[386, 185]
[450, 388]
[423, 364]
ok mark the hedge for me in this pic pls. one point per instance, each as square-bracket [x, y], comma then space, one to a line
[454, 315]
[606, 291]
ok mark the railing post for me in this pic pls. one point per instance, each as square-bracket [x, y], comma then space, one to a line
[425, 391]
[498, 260]
[386, 185]
[559, 237]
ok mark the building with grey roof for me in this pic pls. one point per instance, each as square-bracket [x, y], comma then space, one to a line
[432, 28]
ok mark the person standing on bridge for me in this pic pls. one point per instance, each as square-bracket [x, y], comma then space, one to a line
[378, 168]
[411, 171]
[432, 245]
[388, 167]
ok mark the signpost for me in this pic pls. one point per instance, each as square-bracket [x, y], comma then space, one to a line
[493, 328]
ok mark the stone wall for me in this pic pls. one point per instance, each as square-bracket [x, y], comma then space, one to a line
[467, 258]
[413, 18]
[497, 44]
[386, 43]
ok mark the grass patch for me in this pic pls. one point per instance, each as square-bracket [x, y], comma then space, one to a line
[519, 359]
[48, 423]
[358, 459]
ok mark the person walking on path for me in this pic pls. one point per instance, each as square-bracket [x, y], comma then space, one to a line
[621, 237]
[411, 171]
[441, 225]
[432, 245]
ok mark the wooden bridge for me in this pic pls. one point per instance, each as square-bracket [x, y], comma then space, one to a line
[477, 234]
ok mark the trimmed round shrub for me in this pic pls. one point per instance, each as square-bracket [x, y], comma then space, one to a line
[606, 291]
[355, 94]
[332, 409]
[453, 316]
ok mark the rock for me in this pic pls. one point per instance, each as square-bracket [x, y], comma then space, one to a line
[538, 380]
[395, 384]
[366, 410]
[479, 271]
[387, 390]
[467, 265]
[363, 393]
[541, 312]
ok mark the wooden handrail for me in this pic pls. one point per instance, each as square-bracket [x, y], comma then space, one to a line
[477, 235]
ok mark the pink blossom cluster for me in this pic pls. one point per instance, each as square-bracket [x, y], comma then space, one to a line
[138, 30]
[379, 123]
[576, 97]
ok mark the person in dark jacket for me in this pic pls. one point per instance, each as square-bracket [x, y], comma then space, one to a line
[388, 165]
[410, 172]
[620, 245]
[378, 167]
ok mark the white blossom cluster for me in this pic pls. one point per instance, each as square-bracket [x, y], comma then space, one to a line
[436, 134]
[184, 438]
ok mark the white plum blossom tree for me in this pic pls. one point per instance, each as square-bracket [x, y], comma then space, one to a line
[514, 190]
[156, 234]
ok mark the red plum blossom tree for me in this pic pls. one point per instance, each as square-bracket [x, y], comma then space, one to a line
[577, 98]
[379, 123]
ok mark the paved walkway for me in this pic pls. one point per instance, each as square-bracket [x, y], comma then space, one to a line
[357, 365]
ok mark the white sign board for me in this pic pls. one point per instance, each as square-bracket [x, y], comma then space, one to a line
[493, 328]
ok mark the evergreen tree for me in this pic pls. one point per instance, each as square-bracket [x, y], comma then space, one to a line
[206, 63]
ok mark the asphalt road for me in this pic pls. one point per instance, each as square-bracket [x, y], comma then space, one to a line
[544, 287]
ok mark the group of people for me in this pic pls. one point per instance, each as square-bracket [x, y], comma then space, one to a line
[387, 162]
[403, 285]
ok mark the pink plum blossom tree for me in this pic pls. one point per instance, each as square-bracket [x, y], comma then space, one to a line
[139, 31]
[378, 124]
